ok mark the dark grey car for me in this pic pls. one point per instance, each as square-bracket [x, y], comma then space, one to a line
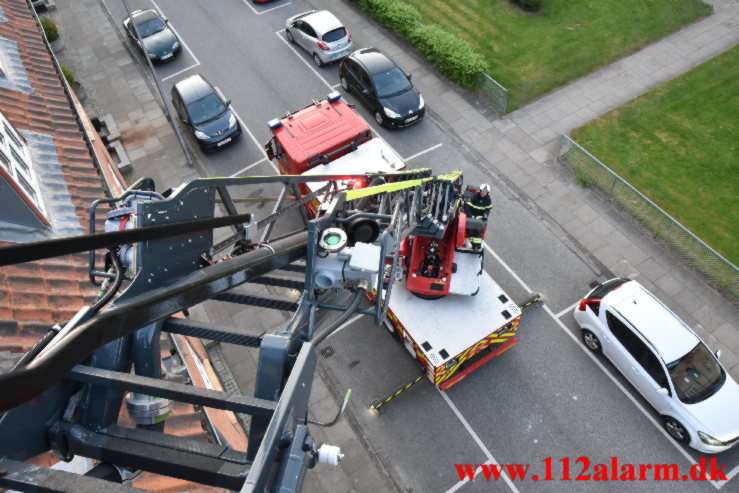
[159, 42]
[205, 113]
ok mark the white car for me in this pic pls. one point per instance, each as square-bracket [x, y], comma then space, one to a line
[665, 361]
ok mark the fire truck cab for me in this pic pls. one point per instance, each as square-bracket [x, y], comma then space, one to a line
[328, 138]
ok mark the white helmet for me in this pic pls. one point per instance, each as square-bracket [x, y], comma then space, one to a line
[485, 187]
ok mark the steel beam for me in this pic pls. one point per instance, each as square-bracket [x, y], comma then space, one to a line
[204, 330]
[172, 390]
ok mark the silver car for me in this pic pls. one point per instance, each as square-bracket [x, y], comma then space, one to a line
[321, 34]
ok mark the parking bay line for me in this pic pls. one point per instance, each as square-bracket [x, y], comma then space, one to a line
[432, 148]
[179, 72]
[567, 310]
[287, 43]
[273, 8]
[238, 173]
[182, 40]
[600, 365]
[254, 139]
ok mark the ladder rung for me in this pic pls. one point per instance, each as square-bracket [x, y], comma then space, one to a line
[260, 301]
[204, 330]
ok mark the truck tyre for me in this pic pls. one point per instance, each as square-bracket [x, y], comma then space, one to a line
[317, 61]
[289, 36]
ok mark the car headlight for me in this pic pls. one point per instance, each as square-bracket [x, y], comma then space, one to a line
[176, 45]
[421, 104]
[201, 135]
[708, 439]
[231, 120]
[390, 113]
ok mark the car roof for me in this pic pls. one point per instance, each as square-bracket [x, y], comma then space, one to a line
[322, 21]
[667, 333]
[373, 60]
[193, 88]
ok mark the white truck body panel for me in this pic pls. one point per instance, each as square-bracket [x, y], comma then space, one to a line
[453, 323]
[466, 281]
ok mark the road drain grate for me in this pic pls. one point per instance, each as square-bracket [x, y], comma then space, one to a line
[327, 352]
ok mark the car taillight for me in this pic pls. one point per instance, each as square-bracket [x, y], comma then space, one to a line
[323, 46]
[586, 302]
[349, 36]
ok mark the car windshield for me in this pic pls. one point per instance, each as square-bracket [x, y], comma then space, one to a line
[697, 375]
[150, 26]
[334, 35]
[205, 109]
[390, 82]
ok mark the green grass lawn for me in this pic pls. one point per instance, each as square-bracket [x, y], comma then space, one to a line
[531, 54]
[679, 145]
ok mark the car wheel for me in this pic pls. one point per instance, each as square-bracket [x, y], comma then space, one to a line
[289, 36]
[379, 118]
[317, 60]
[591, 341]
[675, 429]
[345, 84]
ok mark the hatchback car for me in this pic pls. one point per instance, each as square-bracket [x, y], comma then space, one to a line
[321, 34]
[159, 42]
[665, 361]
[383, 87]
[206, 114]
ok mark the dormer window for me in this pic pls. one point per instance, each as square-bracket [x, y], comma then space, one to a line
[15, 162]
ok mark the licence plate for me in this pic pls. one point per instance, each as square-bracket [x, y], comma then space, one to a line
[224, 142]
[164, 57]
[413, 118]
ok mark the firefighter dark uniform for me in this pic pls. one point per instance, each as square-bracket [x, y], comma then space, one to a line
[479, 208]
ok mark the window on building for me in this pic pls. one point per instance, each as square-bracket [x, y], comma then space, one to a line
[15, 157]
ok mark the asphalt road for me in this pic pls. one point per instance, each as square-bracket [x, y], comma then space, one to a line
[547, 397]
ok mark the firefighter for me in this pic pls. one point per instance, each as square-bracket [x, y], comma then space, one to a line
[479, 208]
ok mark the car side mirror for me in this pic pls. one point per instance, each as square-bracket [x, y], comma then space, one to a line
[166, 21]
[227, 102]
[718, 354]
[409, 76]
[663, 391]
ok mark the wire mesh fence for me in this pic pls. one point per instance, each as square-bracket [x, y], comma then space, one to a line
[494, 91]
[591, 172]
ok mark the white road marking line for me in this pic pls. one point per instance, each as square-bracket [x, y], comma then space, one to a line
[335, 86]
[730, 475]
[345, 325]
[467, 479]
[476, 438]
[505, 266]
[274, 8]
[182, 40]
[238, 173]
[432, 148]
[600, 365]
[308, 64]
[567, 310]
[178, 73]
[251, 7]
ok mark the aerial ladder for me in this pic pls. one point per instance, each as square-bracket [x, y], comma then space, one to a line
[162, 258]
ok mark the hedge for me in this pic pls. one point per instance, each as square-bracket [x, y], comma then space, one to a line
[400, 17]
[453, 56]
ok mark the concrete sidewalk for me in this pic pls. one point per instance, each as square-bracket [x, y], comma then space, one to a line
[520, 149]
[115, 82]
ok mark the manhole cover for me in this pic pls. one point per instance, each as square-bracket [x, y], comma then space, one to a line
[327, 352]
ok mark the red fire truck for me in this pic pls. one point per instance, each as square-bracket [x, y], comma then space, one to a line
[450, 315]
[328, 138]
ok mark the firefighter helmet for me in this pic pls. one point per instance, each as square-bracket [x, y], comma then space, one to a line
[485, 187]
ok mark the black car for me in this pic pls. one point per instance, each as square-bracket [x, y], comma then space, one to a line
[383, 87]
[159, 42]
[205, 113]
